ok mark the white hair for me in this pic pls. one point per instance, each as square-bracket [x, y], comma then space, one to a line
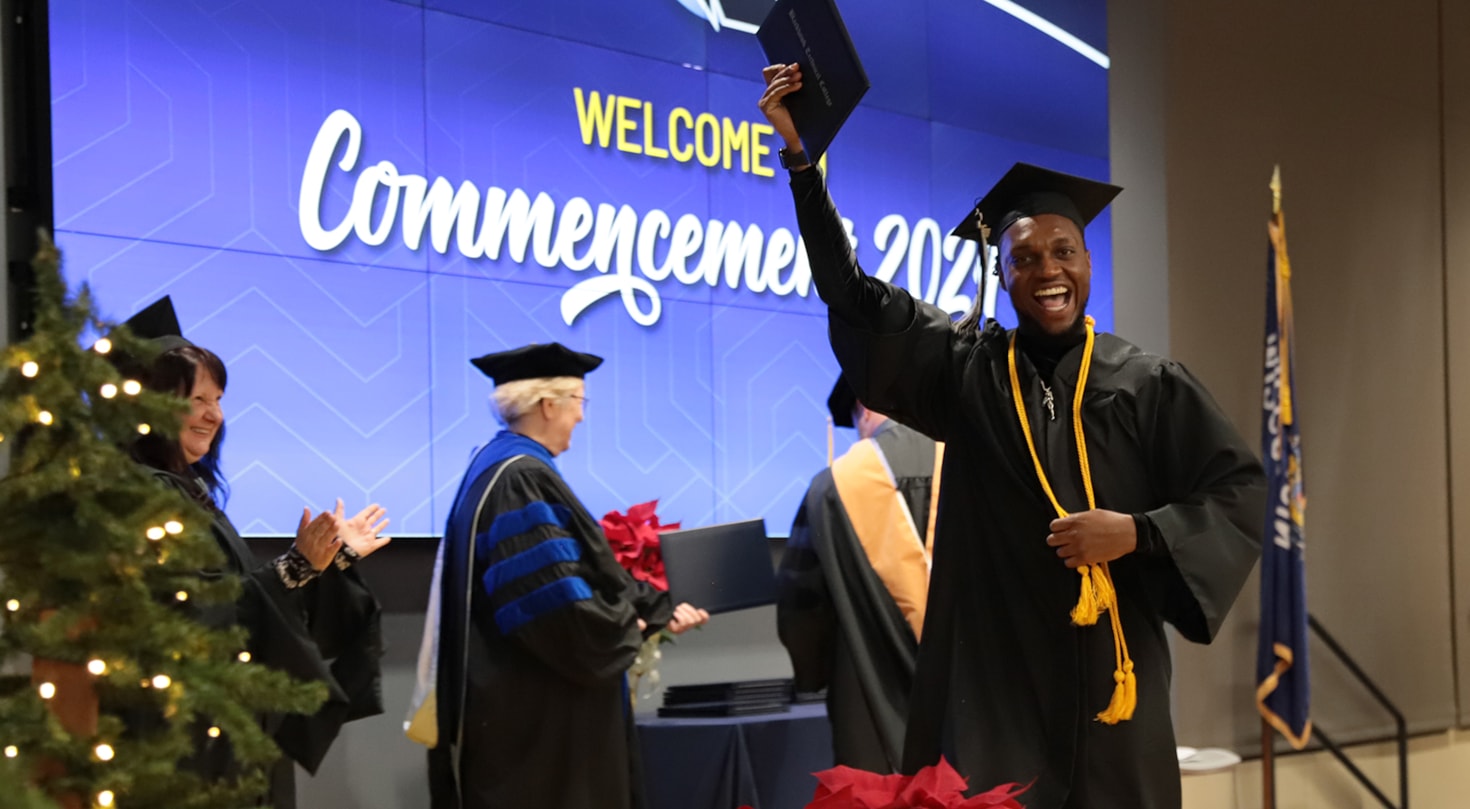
[512, 400]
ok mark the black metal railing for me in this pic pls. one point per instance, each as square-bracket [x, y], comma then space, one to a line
[1401, 733]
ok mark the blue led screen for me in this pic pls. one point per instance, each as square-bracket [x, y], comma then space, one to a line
[347, 199]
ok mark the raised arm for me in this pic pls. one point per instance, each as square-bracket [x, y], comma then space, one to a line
[901, 356]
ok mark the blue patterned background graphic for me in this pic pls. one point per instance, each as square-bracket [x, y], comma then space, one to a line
[181, 134]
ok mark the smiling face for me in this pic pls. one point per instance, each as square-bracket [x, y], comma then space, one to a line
[1046, 268]
[561, 415]
[204, 419]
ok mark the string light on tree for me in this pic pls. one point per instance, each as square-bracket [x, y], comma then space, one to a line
[244, 657]
[119, 506]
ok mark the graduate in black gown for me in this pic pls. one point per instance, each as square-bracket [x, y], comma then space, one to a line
[854, 578]
[1163, 499]
[308, 612]
[537, 621]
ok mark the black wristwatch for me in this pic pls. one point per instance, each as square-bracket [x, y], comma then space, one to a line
[793, 160]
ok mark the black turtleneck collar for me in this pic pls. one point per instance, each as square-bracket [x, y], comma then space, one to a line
[1046, 350]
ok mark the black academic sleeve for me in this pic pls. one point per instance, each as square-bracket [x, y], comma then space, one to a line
[806, 621]
[898, 353]
[1216, 498]
[546, 590]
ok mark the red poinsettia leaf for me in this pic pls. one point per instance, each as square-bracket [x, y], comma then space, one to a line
[938, 785]
[633, 539]
[867, 790]
[1001, 797]
[640, 513]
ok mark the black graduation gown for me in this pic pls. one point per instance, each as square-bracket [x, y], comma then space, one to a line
[533, 706]
[842, 629]
[329, 631]
[1006, 686]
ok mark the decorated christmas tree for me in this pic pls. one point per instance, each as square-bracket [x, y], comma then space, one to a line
[109, 677]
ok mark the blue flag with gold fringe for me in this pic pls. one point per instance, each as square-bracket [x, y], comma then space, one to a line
[1283, 682]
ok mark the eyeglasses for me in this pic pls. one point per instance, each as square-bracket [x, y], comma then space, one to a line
[583, 399]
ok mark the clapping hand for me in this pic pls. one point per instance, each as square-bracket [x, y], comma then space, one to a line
[360, 532]
[316, 539]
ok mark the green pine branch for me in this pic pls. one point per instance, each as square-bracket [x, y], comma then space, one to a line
[98, 562]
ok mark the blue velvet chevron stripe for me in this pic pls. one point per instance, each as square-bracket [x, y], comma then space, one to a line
[540, 601]
[514, 523]
[545, 554]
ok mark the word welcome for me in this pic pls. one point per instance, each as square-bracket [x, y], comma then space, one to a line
[634, 126]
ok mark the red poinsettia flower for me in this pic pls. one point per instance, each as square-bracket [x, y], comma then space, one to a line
[634, 541]
[935, 787]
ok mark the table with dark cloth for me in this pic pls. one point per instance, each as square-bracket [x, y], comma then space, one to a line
[764, 761]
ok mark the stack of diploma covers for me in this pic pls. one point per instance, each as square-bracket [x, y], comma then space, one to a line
[728, 699]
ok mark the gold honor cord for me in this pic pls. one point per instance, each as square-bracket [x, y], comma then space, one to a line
[1098, 594]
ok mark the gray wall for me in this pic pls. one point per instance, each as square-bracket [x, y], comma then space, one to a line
[1348, 99]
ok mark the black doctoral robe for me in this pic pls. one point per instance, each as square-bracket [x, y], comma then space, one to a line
[328, 630]
[838, 622]
[1007, 687]
[538, 626]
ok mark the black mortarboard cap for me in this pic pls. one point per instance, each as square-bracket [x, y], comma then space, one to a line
[158, 322]
[536, 361]
[1028, 190]
[841, 403]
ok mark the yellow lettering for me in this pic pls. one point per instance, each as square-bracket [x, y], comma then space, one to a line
[709, 158]
[594, 117]
[627, 124]
[759, 148]
[680, 115]
[648, 146]
[737, 139]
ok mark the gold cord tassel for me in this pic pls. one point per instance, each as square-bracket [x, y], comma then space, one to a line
[1113, 714]
[1088, 609]
[1098, 593]
[1102, 585]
